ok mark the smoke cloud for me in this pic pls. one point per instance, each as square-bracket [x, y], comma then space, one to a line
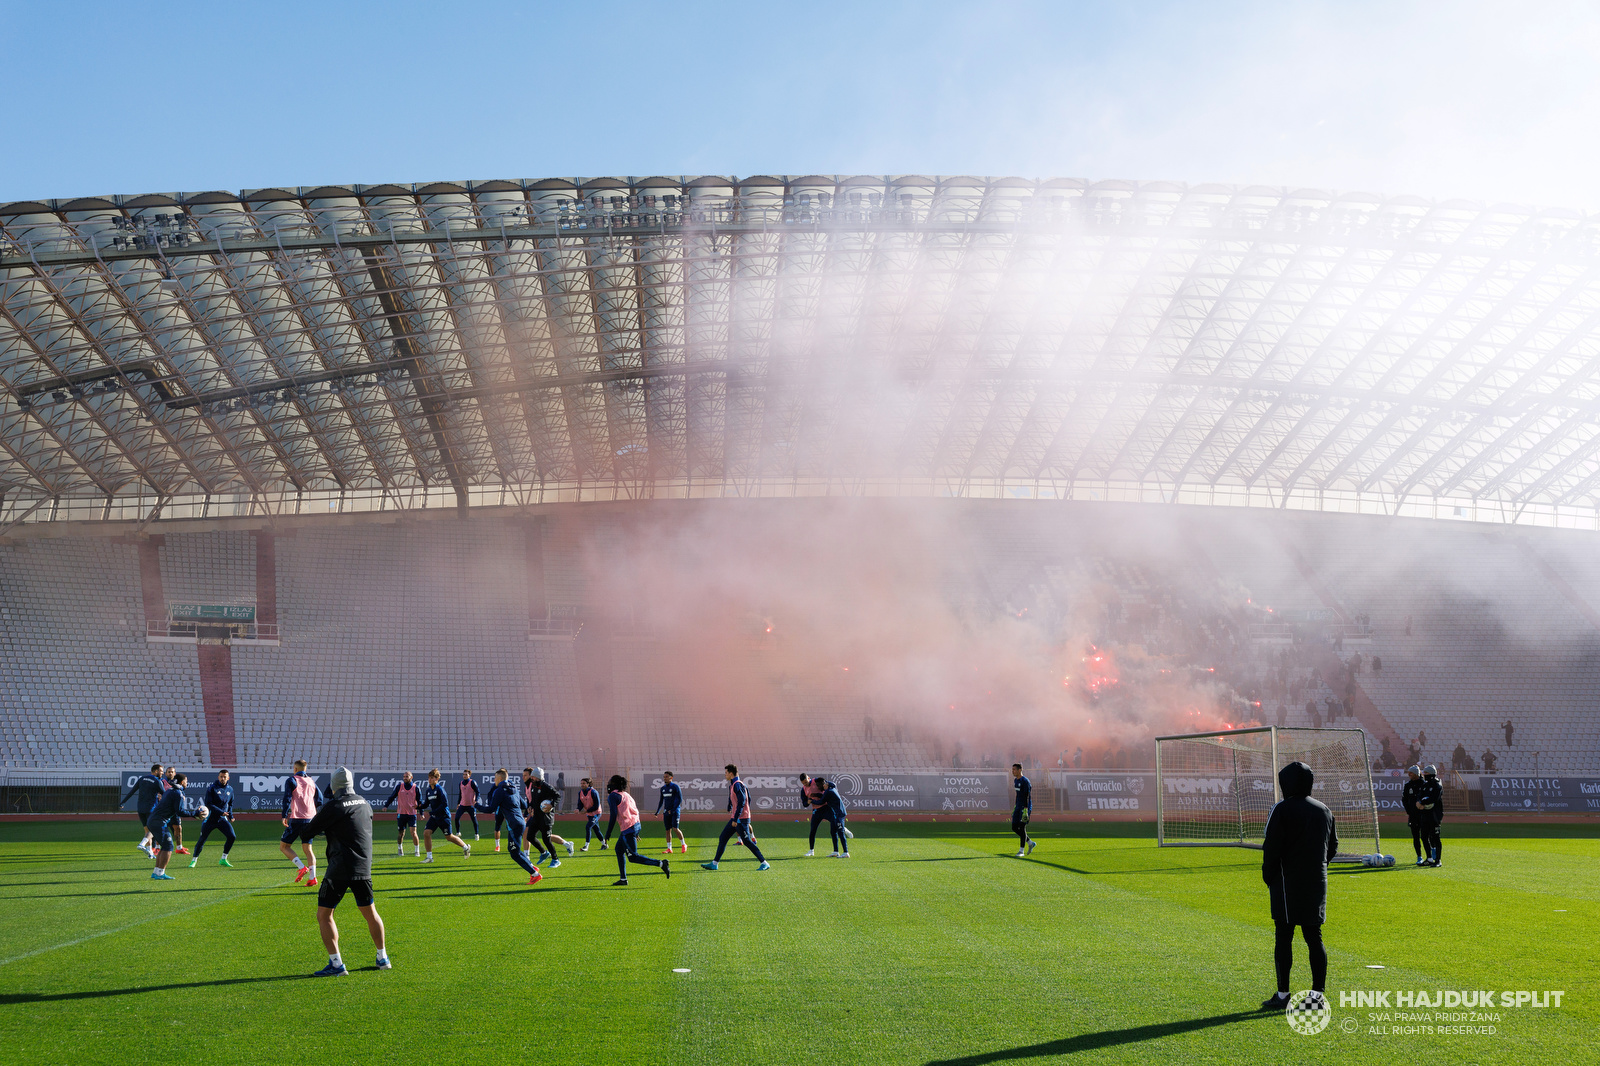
[908, 613]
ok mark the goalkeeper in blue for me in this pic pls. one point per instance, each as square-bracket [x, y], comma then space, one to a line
[739, 824]
[1022, 810]
[172, 803]
[506, 804]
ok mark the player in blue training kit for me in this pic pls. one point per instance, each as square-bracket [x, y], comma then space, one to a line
[177, 820]
[671, 802]
[171, 804]
[505, 802]
[1022, 811]
[833, 809]
[148, 789]
[219, 801]
[739, 806]
[436, 802]
[589, 807]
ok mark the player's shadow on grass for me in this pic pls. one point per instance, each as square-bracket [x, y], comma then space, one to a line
[165, 891]
[8, 998]
[1071, 1045]
[1139, 870]
[518, 890]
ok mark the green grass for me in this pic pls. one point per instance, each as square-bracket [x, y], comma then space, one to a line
[932, 945]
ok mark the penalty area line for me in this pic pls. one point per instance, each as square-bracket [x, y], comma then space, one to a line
[141, 921]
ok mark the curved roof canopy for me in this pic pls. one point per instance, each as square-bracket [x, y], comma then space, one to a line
[470, 343]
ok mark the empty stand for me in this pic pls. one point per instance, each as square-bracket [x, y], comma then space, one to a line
[79, 685]
[404, 647]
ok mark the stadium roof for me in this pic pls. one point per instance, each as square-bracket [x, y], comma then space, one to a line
[512, 342]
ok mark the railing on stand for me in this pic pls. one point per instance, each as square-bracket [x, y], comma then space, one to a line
[233, 632]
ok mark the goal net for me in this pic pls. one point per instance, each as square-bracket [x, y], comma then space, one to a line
[1218, 788]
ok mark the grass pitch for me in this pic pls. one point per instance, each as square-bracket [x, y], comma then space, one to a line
[932, 945]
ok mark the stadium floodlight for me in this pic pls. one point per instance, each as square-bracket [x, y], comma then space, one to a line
[1217, 789]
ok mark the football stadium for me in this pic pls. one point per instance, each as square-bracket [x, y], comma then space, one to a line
[1056, 552]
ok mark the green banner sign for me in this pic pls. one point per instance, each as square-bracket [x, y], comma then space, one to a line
[209, 612]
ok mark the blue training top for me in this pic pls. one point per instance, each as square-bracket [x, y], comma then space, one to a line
[671, 797]
[506, 801]
[148, 788]
[169, 806]
[434, 799]
[219, 798]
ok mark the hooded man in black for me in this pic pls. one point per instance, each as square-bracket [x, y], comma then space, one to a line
[1300, 840]
[346, 820]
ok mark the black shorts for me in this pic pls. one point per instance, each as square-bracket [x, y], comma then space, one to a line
[1019, 821]
[144, 818]
[438, 823]
[541, 822]
[330, 892]
[670, 819]
[292, 832]
[161, 838]
[405, 821]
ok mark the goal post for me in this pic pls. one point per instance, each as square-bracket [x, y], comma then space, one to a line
[1217, 789]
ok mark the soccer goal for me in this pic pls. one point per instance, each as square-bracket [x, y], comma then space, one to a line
[1217, 789]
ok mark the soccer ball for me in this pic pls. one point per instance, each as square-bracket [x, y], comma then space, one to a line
[205, 812]
[547, 805]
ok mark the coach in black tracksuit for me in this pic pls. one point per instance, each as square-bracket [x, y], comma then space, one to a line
[346, 820]
[1408, 800]
[1300, 840]
[1430, 809]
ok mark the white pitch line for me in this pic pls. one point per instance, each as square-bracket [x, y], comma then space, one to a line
[141, 921]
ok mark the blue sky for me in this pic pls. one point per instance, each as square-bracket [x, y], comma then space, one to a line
[1474, 100]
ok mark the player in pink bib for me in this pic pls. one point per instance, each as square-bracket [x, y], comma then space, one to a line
[301, 798]
[466, 802]
[625, 812]
[739, 824]
[405, 794]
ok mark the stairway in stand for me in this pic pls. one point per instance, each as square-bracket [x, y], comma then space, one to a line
[216, 691]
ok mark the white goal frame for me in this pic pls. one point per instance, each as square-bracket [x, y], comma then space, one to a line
[1254, 754]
